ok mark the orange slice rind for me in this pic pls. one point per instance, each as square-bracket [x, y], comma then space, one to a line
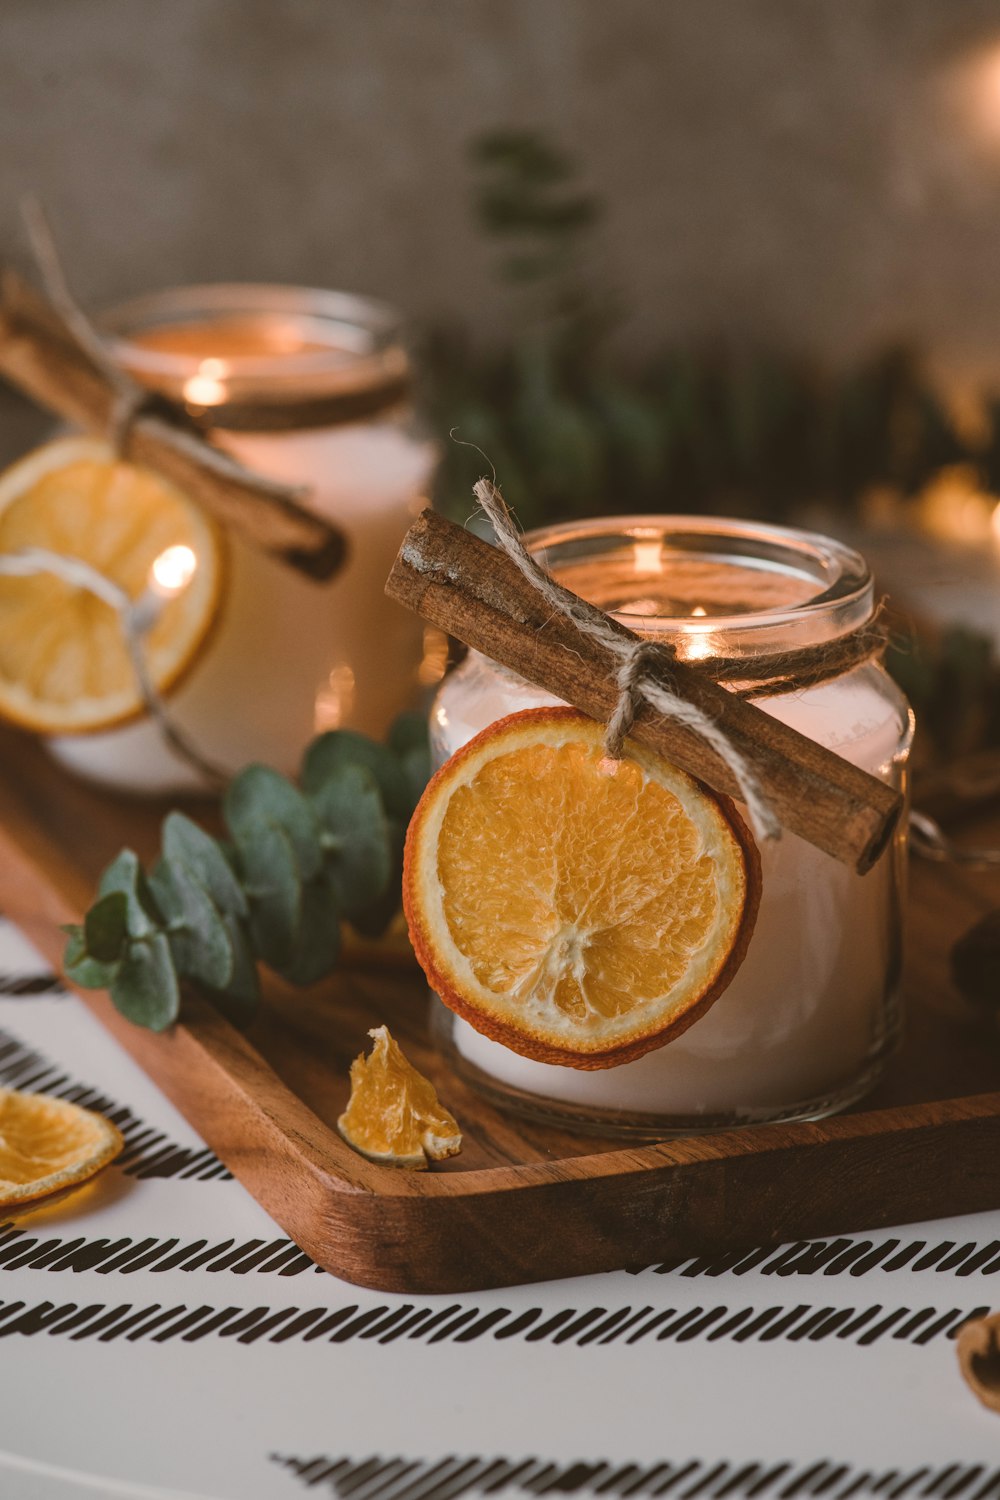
[394, 1115]
[49, 1145]
[579, 911]
[64, 665]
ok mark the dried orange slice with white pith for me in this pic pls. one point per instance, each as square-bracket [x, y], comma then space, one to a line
[49, 1145]
[579, 910]
[64, 665]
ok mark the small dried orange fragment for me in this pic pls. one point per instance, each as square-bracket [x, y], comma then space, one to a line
[394, 1114]
[47, 1145]
[580, 911]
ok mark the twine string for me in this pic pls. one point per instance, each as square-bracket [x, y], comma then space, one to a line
[130, 401]
[136, 618]
[637, 660]
[126, 408]
[773, 674]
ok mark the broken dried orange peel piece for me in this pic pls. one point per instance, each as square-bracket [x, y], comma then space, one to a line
[578, 910]
[394, 1115]
[48, 1145]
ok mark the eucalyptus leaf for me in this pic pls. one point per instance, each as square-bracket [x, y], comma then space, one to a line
[197, 934]
[125, 874]
[408, 732]
[274, 886]
[105, 927]
[259, 795]
[242, 989]
[184, 843]
[373, 920]
[317, 942]
[356, 838]
[409, 741]
[79, 968]
[145, 988]
[332, 752]
[417, 769]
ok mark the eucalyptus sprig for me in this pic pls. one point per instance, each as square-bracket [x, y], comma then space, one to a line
[299, 861]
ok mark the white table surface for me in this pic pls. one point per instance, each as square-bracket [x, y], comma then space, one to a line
[160, 1335]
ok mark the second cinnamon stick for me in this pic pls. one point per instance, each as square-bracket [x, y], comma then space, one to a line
[37, 357]
[474, 592]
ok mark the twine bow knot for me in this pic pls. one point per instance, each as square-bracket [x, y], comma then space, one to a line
[630, 679]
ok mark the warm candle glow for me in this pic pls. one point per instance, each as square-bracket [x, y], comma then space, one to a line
[435, 658]
[697, 647]
[208, 386]
[995, 523]
[972, 87]
[649, 557]
[172, 571]
[335, 700]
[955, 507]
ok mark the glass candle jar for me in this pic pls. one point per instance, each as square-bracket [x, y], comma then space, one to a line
[811, 1016]
[307, 387]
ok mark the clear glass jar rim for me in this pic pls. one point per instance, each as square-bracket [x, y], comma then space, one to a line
[844, 596]
[365, 328]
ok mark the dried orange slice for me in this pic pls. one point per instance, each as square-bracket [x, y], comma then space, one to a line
[578, 910]
[394, 1114]
[47, 1145]
[64, 666]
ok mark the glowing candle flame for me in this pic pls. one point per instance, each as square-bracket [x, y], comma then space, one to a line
[208, 386]
[648, 557]
[172, 571]
[697, 643]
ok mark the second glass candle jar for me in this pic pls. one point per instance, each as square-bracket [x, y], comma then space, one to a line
[806, 1025]
[311, 388]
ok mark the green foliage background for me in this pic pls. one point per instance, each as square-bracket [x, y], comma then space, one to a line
[576, 429]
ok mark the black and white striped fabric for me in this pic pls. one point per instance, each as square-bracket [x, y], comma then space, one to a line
[193, 1349]
[454, 1476]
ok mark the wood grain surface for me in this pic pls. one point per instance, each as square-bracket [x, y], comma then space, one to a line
[524, 1201]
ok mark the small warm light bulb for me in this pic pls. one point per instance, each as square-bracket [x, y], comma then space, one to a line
[172, 571]
[208, 386]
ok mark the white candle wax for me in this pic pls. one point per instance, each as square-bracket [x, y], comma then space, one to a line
[805, 1010]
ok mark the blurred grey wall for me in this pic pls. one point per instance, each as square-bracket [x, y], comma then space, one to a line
[805, 172]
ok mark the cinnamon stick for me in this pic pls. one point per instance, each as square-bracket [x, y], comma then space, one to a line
[40, 357]
[474, 592]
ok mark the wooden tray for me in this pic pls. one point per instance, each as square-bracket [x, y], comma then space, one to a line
[523, 1202]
